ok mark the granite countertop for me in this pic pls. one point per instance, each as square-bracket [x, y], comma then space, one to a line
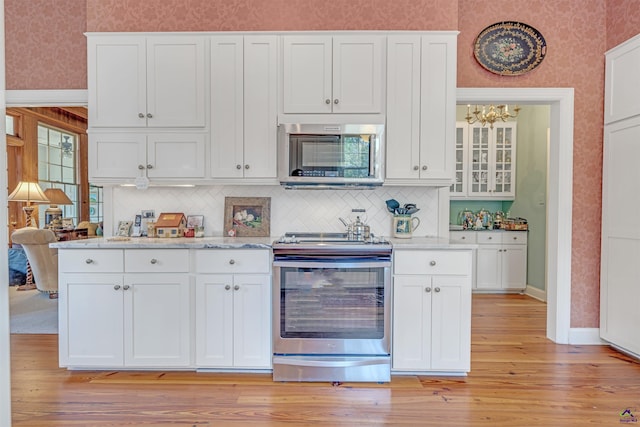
[168, 243]
[425, 242]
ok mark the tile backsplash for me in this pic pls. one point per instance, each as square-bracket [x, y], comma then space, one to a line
[291, 210]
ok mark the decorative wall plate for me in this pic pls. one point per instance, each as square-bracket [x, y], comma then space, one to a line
[509, 48]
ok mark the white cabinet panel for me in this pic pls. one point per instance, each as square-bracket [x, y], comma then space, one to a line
[621, 89]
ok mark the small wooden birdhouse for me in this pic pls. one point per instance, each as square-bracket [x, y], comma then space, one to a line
[171, 225]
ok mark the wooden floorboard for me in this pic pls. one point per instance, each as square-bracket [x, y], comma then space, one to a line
[518, 378]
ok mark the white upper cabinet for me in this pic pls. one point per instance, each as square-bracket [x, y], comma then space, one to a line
[243, 106]
[333, 74]
[421, 83]
[621, 88]
[146, 81]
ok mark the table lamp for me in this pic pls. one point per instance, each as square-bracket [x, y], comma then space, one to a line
[29, 192]
[53, 214]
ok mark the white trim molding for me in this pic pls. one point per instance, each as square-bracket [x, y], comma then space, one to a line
[559, 197]
[536, 293]
[585, 336]
[47, 98]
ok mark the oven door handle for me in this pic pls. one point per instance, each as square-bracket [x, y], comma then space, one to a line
[331, 362]
[332, 264]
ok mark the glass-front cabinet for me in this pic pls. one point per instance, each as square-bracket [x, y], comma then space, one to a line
[485, 161]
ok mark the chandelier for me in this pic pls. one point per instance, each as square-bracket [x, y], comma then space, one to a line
[496, 112]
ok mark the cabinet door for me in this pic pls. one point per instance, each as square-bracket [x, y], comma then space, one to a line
[480, 156]
[451, 323]
[488, 269]
[504, 160]
[438, 109]
[117, 155]
[403, 107]
[357, 74]
[176, 155]
[411, 323]
[307, 74]
[252, 321]
[117, 81]
[156, 320]
[91, 320]
[214, 320]
[514, 267]
[176, 81]
[227, 107]
[461, 154]
[260, 106]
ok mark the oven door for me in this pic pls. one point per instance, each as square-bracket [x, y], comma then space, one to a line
[328, 307]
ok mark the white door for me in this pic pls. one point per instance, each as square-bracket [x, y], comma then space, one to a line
[117, 78]
[156, 320]
[214, 320]
[252, 321]
[411, 323]
[451, 323]
[488, 269]
[176, 81]
[307, 74]
[176, 155]
[117, 155]
[91, 320]
[357, 74]
[514, 266]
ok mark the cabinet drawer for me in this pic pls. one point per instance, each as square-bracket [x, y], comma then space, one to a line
[90, 260]
[156, 260]
[432, 262]
[463, 236]
[233, 261]
[514, 237]
[490, 237]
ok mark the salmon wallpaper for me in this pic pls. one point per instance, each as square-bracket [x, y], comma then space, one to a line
[46, 49]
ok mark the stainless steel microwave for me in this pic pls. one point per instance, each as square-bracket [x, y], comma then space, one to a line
[331, 155]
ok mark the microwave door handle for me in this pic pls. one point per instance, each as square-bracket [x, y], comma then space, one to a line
[372, 155]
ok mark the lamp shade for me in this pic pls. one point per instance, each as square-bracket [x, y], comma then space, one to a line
[57, 197]
[29, 192]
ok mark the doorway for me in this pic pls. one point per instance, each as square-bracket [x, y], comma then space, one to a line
[559, 196]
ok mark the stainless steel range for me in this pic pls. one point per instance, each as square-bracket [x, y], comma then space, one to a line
[331, 308]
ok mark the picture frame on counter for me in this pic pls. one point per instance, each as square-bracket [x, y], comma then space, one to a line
[124, 227]
[194, 221]
[247, 216]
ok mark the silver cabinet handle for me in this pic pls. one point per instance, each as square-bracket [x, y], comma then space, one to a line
[153, 261]
[126, 287]
[89, 261]
[415, 168]
[427, 289]
[116, 287]
[335, 101]
[432, 263]
[149, 166]
[246, 166]
[141, 115]
[236, 287]
[327, 101]
[238, 166]
[424, 168]
[149, 115]
[232, 261]
[140, 167]
[227, 287]
[437, 289]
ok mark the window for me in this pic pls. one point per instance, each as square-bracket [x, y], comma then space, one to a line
[95, 204]
[11, 125]
[57, 167]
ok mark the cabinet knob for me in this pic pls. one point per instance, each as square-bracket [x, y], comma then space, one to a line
[463, 237]
[424, 168]
[89, 261]
[227, 287]
[141, 167]
[335, 101]
[232, 261]
[153, 261]
[141, 115]
[489, 238]
[126, 287]
[415, 168]
[427, 289]
[149, 115]
[116, 287]
[437, 289]
[236, 287]
[149, 166]
[515, 238]
[327, 101]
[238, 166]
[432, 263]
[246, 166]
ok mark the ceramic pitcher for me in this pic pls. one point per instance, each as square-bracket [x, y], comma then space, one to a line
[404, 225]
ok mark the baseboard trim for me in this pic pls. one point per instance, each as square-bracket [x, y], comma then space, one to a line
[536, 293]
[585, 336]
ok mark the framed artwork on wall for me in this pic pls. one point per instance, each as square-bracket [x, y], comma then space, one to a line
[247, 216]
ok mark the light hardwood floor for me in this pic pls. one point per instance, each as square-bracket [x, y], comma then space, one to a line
[518, 378]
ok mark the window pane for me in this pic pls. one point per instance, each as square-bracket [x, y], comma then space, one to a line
[10, 125]
[68, 174]
[55, 156]
[55, 173]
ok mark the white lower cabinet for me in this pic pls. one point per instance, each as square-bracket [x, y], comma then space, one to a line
[432, 311]
[501, 261]
[233, 309]
[109, 318]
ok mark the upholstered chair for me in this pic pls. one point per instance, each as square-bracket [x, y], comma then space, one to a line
[42, 258]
